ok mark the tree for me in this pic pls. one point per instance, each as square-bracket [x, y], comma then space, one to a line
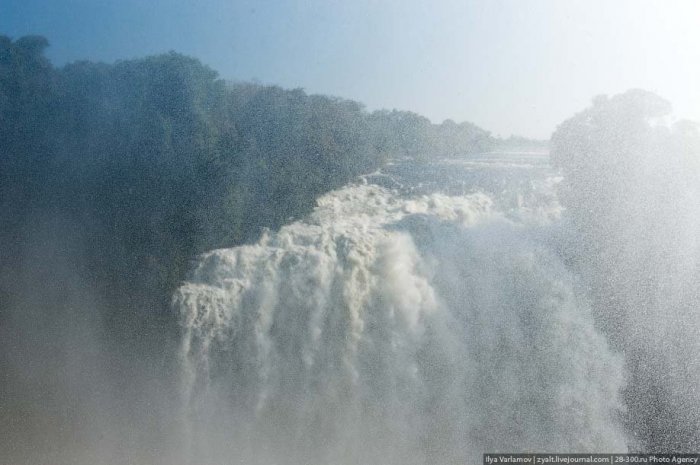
[632, 192]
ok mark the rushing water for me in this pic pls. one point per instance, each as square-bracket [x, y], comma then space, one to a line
[419, 315]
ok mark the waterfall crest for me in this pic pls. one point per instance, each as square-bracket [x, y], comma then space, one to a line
[394, 328]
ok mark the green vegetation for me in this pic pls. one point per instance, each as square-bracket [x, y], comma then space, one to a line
[631, 192]
[518, 143]
[143, 164]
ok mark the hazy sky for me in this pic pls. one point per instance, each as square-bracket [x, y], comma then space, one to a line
[510, 66]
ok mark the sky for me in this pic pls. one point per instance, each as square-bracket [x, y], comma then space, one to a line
[510, 66]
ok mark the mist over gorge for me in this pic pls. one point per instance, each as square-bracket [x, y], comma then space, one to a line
[200, 271]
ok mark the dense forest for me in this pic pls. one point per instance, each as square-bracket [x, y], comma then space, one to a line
[630, 189]
[114, 177]
[152, 161]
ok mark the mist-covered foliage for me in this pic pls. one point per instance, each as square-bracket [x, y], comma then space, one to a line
[632, 192]
[125, 172]
[407, 134]
[158, 159]
[519, 143]
[113, 178]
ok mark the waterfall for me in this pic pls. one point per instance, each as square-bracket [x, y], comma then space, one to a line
[396, 326]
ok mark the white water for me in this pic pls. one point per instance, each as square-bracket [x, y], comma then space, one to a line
[398, 325]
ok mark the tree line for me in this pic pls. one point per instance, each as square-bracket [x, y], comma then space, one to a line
[631, 189]
[145, 163]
